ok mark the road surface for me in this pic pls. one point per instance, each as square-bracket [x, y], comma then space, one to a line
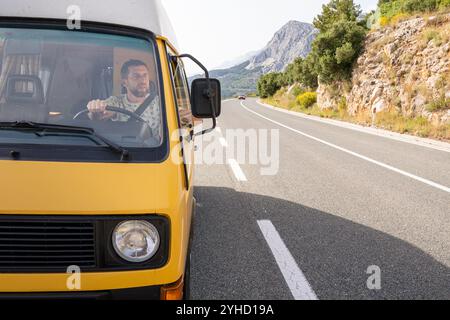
[348, 215]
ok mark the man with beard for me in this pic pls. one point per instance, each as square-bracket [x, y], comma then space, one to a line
[136, 80]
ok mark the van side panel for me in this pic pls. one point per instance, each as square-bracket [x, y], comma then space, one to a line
[186, 195]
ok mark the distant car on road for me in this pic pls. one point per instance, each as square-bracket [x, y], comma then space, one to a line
[242, 97]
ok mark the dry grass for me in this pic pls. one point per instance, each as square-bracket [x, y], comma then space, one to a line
[437, 31]
[400, 17]
[389, 119]
[378, 45]
[437, 20]
[439, 104]
[432, 34]
[282, 99]
[419, 126]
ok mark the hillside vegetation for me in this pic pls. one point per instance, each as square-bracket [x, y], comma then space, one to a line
[390, 68]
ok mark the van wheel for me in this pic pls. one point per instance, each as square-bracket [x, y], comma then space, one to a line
[187, 279]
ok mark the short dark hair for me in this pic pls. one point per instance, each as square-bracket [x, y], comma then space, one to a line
[130, 63]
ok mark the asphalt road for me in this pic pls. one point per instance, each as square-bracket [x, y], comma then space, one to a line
[358, 216]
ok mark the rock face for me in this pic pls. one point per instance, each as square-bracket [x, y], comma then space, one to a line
[292, 41]
[405, 67]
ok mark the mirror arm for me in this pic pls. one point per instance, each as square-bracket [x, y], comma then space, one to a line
[207, 93]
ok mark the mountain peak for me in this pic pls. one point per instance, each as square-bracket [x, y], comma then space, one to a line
[293, 40]
[296, 26]
[297, 23]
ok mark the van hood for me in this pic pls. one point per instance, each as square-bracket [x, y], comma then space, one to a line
[87, 188]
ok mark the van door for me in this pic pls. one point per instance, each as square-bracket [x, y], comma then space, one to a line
[183, 102]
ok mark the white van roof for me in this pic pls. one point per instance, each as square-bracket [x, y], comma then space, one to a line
[144, 14]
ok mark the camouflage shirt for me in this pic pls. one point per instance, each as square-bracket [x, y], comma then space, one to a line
[152, 114]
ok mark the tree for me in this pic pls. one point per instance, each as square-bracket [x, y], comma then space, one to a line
[342, 31]
[340, 40]
[290, 74]
[306, 73]
[269, 84]
[336, 50]
[335, 11]
[301, 71]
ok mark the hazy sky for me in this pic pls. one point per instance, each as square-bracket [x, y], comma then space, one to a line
[217, 31]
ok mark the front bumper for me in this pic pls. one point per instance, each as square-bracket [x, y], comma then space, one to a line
[142, 293]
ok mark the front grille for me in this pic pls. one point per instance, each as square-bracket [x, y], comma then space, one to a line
[46, 244]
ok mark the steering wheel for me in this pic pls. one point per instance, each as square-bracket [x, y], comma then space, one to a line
[132, 115]
[145, 129]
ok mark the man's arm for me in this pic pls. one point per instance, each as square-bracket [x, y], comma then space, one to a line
[197, 121]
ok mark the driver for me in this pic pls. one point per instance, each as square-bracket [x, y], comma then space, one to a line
[136, 80]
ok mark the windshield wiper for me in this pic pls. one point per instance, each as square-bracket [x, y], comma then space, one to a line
[64, 128]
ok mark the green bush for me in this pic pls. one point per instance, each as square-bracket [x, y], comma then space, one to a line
[269, 84]
[344, 53]
[307, 99]
[440, 104]
[297, 91]
[307, 74]
[336, 50]
[290, 74]
[420, 5]
[390, 8]
[342, 106]
[301, 71]
[444, 4]
[433, 35]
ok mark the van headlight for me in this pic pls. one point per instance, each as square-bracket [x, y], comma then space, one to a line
[136, 241]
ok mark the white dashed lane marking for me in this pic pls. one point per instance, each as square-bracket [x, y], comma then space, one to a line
[234, 165]
[238, 173]
[294, 277]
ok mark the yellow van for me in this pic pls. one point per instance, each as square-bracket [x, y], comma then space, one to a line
[96, 151]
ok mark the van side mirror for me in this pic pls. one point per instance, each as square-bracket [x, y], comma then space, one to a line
[206, 98]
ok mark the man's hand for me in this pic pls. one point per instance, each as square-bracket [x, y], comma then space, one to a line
[197, 121]
[97, 110]
[186, 116]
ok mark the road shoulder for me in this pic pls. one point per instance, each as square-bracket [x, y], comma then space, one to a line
[424, 142]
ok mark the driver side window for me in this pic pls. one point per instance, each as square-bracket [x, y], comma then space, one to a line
[181, 87]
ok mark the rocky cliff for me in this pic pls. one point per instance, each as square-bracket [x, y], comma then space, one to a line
[290, 42]
[405, 67]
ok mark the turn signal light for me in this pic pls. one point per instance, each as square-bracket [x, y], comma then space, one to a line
[173, 291]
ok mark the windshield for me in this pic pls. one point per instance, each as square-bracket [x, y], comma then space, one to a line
[103, 82]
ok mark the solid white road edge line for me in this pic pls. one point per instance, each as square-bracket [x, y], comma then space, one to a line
[295, 279]
[378, 163]
[418, 141]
